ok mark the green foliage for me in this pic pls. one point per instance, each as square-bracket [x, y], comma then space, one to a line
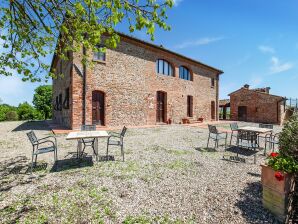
[28, 112]
[42, 100]
[288, 139]
[283, 163]
[12, 116]
[4, 109]
[31, 28]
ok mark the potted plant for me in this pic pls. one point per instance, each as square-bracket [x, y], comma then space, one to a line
[278, 174]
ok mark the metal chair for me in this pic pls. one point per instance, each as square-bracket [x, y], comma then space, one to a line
[234, 129]
[272, 140]
[266, 137]
[216, 136]
[45, 149]
[89, 141]
[117, 140]
[249, 140]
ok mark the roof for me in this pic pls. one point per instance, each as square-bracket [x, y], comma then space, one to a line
[218, 71]
[171, 52]
[257, 91]
[224, 103]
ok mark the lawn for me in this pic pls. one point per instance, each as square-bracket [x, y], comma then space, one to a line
[168, 177]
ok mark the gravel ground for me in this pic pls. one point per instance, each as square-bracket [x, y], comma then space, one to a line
[168, 177]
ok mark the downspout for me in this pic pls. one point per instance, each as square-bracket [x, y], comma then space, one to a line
[84, 87]
[217, 98]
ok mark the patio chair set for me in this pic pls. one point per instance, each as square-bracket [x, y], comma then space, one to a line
[49, 144]
[246, 137]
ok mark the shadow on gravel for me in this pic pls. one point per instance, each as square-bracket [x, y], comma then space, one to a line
[200, 149]
[33, 125]
[12, 173]
[72, 163]
[250, 203]
[16, 212]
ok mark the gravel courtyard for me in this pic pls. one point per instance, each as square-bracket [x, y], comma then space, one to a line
[168, 177]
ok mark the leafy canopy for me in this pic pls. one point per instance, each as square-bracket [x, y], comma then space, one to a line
[42, 100]
[30, 29]
[27, 112]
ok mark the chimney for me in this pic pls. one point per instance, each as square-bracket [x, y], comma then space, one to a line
[267, 89]
[246, 86]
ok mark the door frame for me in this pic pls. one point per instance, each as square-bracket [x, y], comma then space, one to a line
[164, 120]
[102, 116]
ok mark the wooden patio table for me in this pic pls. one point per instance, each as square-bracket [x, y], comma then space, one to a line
[77, 135]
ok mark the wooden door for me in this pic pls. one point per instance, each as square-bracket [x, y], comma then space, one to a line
[98, 116]
[213, 110]
[189, 106]
[242, 113]
[161, 107]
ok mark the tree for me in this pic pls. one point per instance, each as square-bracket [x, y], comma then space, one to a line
[31, 29]
[28, 112]
[4, 109]
[42, 100]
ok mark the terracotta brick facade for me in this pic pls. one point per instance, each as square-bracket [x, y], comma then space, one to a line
[129, 81]
[257, 105]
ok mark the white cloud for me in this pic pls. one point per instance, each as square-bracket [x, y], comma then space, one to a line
[201, 41]
[278, 67]
[177, 2]
[266, 49]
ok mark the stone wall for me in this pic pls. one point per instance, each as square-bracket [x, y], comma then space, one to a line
[261, 107]
[62, 115]
[130, 83]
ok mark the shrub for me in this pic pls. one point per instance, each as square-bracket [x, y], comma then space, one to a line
[288, 139]
[4, 108]
[28, 112]
[11, 115]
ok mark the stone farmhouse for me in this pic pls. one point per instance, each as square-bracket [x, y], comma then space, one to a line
[136, 84]
[257, 105]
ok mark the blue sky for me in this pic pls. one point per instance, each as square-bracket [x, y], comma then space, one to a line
[252, 41]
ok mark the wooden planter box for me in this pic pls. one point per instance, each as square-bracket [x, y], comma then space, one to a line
[276, 193]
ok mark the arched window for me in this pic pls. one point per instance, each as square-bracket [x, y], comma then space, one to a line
[184, 73]
[164, 67]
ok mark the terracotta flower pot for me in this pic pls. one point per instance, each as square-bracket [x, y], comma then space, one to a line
[276, 190]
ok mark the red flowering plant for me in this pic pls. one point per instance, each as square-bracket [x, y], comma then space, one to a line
[286, 161]
[282, 164]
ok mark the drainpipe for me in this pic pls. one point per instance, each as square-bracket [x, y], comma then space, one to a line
[84, 88]
[217, 98]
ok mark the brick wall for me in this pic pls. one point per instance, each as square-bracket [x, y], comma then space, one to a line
[261, 107]
[129, 80]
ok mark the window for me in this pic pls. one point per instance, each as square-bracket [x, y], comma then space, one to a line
[60, 102]
[189, 106]
[99, 55]
[212, 82]
[66, 99]
[164, 67]
[184, 73]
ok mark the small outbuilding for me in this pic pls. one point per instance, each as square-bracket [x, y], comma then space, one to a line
[257, 105]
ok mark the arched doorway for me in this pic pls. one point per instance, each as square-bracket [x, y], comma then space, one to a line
[98, 108]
